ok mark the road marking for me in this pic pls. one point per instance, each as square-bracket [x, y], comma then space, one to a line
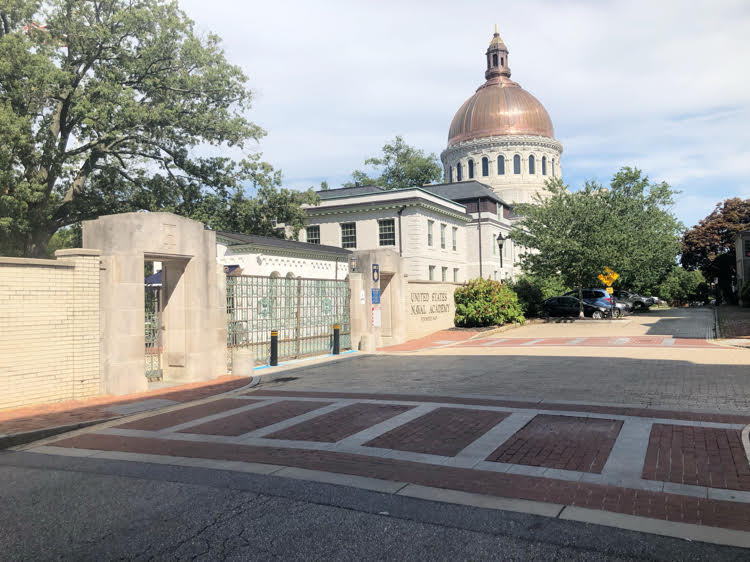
[576, 341]
[621, 341]
[668, 341]
[532, 342]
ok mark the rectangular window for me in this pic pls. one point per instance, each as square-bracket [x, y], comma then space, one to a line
[442, 236]
[493, 243]
[313, 234]
[432, 273]
[455, 275]
[429, 232]
[387, 234]
[445, 274]
[349, 235]
[455, 235]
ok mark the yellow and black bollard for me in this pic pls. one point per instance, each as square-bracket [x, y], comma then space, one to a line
[336, 346]
[274, 348]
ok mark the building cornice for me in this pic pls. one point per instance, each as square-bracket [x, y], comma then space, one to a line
[500, 142]
[394, 205]
[267, 251]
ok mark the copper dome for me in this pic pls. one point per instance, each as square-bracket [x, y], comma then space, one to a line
[499, 106]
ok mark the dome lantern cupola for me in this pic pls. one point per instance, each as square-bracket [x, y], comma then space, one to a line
[497, 58]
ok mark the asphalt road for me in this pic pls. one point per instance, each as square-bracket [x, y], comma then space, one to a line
[56, 508]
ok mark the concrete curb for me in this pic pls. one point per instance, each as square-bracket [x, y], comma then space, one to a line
[20, 439]
[16, 439]
[687, 531]
[746, 441]
[26, 437]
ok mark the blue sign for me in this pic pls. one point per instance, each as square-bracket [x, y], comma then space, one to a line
[375, 296]
[375, 273]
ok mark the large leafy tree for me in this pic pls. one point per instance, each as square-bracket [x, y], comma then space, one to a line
[575, 235]
[400, 166]
[116, 105]
[709, 246]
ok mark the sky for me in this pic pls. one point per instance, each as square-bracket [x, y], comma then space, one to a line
[661, 85]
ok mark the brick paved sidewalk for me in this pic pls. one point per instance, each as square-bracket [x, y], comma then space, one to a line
[434, 340]
[684, 467]
[734, 322]
[70, 413]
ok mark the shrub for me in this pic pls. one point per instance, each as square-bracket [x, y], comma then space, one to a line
[532, 290]
[484, 302]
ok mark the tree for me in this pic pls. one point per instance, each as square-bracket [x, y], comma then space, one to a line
[401, 166]
[102, 109]
[264, 214]
[709, 246]
[682, 286]
[575, 235]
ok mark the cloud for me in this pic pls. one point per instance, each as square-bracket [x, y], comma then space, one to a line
[660, 85]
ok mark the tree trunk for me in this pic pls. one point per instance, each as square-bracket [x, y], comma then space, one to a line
[580, 302]
[38, 244]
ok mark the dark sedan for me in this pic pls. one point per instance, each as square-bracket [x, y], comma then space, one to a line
[569, 306]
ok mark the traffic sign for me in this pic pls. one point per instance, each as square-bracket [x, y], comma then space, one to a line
[610, 290]
[608, 277]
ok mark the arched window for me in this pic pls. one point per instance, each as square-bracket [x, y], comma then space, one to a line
[501, 62]
[459, 172]
[500, 165]
[471, 168]
[532, 169]
[553, 167]
[544, 165]
[494, 59]
[485, 166]
[450, 174]
[516, 164]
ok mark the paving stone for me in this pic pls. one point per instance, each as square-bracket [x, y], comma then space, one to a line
[244, 422]
[184, 415]
[342, 423]
[701, 456]
[563, 442]
[444, 431]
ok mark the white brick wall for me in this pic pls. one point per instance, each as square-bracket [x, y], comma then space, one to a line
[49, 329]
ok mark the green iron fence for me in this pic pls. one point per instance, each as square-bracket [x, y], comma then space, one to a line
[152, 322]
[302, 310]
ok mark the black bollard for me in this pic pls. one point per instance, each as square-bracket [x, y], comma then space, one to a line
[274, 348]
[336, 330]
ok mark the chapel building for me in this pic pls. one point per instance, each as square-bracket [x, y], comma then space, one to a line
[501, 151]
[502, 135]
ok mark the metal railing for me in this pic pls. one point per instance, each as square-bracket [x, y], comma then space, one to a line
[302, 310]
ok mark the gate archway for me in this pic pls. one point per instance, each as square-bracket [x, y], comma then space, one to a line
[193, 323]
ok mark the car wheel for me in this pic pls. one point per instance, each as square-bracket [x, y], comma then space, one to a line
[616, 313]
[544, 315]
[637, 306]
[597, 315]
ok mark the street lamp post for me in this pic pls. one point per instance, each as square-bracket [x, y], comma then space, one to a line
[500, 241]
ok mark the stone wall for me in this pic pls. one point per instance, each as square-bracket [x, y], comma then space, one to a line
[49, 328]
[429, 307]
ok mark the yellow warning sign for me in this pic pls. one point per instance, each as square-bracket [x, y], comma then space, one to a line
[608, 277]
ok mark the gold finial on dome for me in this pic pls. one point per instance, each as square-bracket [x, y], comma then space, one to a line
[496, 33]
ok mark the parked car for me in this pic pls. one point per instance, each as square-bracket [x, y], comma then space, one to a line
[635, 300]
[600, 297]
[569, 306]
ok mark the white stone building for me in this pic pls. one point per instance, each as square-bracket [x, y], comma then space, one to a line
[502, 136]
[445, 232]
[277, 257]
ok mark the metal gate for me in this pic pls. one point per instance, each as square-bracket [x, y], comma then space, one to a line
[302, 310]
[152, 322]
